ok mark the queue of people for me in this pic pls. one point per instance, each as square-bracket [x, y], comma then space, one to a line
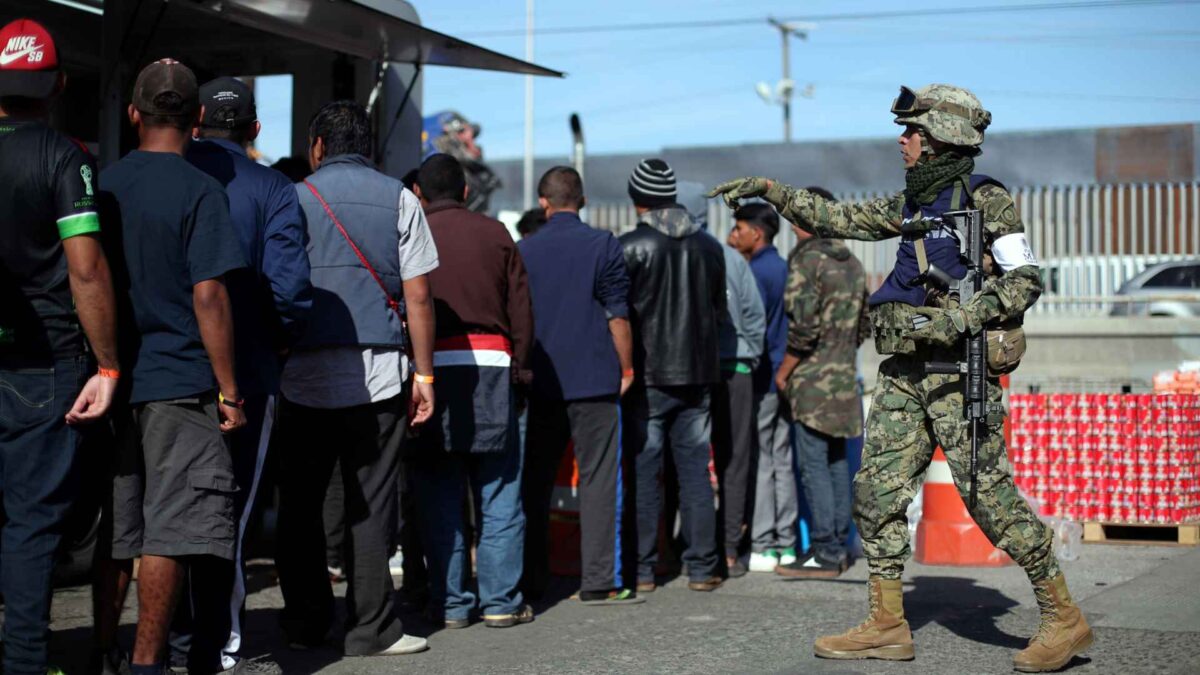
[200, 312]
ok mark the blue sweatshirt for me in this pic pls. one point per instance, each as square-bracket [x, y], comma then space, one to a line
[578, 282]
[272, 297]
[771, 271]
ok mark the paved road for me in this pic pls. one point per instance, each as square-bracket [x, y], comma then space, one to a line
[1144, 603]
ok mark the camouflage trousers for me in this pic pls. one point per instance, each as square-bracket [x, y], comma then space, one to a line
[910, 413]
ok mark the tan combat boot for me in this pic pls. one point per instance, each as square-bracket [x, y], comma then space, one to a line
[1062, 634]
[884, 635]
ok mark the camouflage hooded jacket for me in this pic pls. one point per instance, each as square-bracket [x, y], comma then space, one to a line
[1010, 290]
[826, 306]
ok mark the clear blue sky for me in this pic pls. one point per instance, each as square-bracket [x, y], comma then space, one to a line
[643, 90]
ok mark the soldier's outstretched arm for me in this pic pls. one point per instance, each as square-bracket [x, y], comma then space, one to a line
[870, 221]
[1019, 284]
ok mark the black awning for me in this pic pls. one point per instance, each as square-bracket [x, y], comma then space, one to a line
[370, 29]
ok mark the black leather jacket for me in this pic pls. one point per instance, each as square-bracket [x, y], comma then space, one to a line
[676, 298]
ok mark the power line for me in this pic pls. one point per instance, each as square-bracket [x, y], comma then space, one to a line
[1106, 40]
[848, 16]
[1013, 93]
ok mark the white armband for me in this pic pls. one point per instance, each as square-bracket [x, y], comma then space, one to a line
[1012, 251]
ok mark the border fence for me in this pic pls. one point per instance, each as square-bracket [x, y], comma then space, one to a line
[1089, 239]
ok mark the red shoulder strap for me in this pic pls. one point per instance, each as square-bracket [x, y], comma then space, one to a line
[392, 302]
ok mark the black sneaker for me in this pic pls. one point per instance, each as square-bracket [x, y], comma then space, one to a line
[812, 566]
[620, 596]
[736, 569]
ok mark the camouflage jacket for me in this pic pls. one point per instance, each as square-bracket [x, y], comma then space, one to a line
[1006, 296]
[826, 306]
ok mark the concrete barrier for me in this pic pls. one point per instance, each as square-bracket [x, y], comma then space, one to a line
[1072, 353]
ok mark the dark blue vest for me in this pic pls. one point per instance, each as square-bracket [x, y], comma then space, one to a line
[941, 245]
[349, 308]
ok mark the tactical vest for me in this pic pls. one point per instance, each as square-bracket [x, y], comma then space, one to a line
[891, 305]
[349, 308]
[928, 240]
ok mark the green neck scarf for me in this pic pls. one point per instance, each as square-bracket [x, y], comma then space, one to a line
[926, 180]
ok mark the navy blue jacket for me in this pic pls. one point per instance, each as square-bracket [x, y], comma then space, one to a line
[271, 297]
[941, 244]
[771, 272]
[578, 282]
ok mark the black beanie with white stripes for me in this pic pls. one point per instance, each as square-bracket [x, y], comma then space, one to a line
[652, 184]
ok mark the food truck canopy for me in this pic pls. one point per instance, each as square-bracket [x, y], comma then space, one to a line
[370, 29]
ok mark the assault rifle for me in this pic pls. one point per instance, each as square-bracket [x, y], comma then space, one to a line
[972, 370]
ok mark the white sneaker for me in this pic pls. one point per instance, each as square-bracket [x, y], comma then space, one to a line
[787, 556]
[408, 644]
[396, 564]
[336, 574]
[763, 562]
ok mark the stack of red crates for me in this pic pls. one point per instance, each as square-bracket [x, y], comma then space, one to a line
[1119, 458]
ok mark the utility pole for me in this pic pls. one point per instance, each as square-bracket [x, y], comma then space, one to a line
[786, 85]
[787, 77]
[528, 107]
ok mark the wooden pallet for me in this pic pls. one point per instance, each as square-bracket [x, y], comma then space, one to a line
[1142, 534]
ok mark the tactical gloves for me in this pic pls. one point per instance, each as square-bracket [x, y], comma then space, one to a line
[740, 188]
[941, 327]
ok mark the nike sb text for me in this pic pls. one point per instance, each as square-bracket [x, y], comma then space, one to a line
[21, 46]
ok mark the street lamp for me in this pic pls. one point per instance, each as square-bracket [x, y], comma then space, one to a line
[786, 87]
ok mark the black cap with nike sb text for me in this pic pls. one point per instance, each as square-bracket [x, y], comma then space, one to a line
[28, 60]
[166, 88]
[228, 104]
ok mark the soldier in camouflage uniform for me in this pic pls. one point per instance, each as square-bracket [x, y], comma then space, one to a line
[826, 306]
[914, 324]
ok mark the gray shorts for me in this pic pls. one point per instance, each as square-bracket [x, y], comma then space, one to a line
[173, 485]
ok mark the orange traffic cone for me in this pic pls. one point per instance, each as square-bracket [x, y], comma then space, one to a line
[946, 534]
[564, 517]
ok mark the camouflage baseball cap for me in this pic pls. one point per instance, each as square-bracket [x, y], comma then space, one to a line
[947, 113]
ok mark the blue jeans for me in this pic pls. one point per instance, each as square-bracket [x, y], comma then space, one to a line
[821, 463]
[39, 479]
[495, 479]
[679, 417]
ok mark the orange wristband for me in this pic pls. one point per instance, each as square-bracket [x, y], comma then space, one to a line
[109, 372]
[627, 373]
[423, 379]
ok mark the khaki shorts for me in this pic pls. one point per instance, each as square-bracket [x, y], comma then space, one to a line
[173, 485]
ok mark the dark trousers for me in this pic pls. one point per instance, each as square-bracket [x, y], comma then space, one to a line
[366, 439]
[594, 424]
[407, 537]
[38, 455]
[734, 428]
[678, 417]
[206, 633]
[821, 463]
[334, 517]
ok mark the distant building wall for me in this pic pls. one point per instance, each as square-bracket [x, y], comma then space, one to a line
[1026, 158]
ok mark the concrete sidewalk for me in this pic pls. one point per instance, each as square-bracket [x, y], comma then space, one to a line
[1144, 603]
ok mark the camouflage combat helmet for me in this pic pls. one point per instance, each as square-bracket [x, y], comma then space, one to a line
[947, 113]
